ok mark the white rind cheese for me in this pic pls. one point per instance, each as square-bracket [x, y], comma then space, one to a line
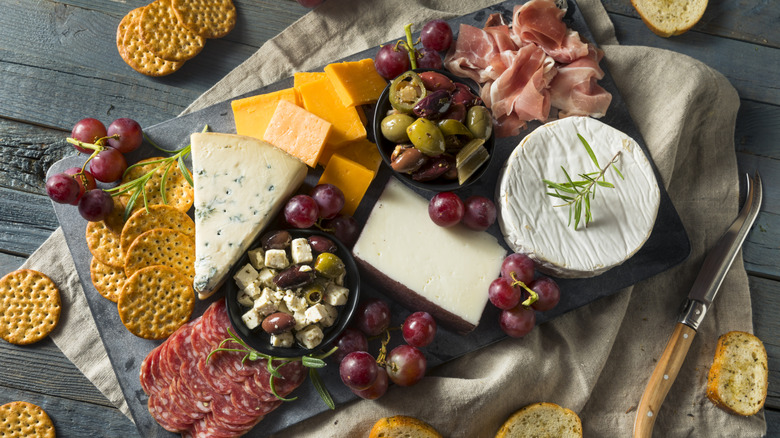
[450, 268]
[536, 224]
[240, 185]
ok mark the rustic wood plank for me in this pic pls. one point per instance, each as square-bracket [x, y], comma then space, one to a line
[765, 295]
[27, 152]
[26, 221]
[772, 423]
[758, 129]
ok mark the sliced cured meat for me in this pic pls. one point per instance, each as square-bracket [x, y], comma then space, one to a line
[163, 411]
[206, 428]
[148, 383]
[522, 88]
[217, 324]
[224, 411]
[540, 22]
[196, 383]
[293, 374]
[220, 372]
[471, 54]
[496, 19]
[252, 387]
[575, 90]
[251, 405]
[184, 399]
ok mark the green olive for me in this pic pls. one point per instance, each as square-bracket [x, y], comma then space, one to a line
[394, 127]
[479, 122]
[329, 265]
[426, 136]
[453, 127]
[313, 293]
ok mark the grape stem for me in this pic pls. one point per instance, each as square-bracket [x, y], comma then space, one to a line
[410, 46]
[533, 295]
[381, 358]
[97, 147]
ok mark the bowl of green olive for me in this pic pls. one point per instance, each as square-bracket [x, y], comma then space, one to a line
[433, 130]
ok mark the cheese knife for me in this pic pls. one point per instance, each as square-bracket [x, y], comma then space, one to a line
[699, 300]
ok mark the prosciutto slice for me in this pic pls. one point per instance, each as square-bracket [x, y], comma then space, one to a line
[470, 56]
[539, 22]
[575, 90]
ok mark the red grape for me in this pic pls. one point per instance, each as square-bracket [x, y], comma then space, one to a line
[348, 341]
[390, 63]
[549, 293]
[406, 365]
[519, 264]
[329, 199]
[436, 35]
[345, 228]
[373, 317]
[445, 209]
[95, 205]
[301, 211]
[419, 329]
[88, 130]
[517, 321]
[480, 213]
[358, 370]
[377, 389]
[309, 3]
[85, 180]
[62, 189]
[503, 295]
[108, 165]
[130, 135]
[431, 60]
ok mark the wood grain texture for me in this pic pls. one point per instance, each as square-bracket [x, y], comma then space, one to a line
[765, 295]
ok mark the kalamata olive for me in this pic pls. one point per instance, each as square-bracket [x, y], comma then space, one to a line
[322, 244]
[457, 112]
[426, 136]
[434, 105]
[394, 127]
[452, 172]
[479, 122]
[436, 81]
[329, 265]
[295, 276]
[407, 159]
[434, 168]
[463, 95]
[279, 239]
[277, 323]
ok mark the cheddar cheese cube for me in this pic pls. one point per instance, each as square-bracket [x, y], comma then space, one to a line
[362, 151]
[320, 98]
[303, 77]
[298, 132]
[356, 83]
[352, 178]
[252, 114]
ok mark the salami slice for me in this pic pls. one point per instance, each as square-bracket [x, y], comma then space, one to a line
[160, 380]
[206, 428]
[224, 411]
[293, 374]
[165, 413]
[252, 387]
[195, 382]
[215, 376]
[238, 429]
[184, 399]
[146, 377]
[251, 405]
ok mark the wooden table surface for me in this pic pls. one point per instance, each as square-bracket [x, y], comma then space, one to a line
[59, 63]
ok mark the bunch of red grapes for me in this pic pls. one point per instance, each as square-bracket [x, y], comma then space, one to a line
[322, 208]
[446, 209]
[393, 59]
[77, 186]
[508, 294]
[368, 377]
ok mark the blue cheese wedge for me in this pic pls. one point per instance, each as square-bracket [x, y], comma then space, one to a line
[537, 224]
[240, 185]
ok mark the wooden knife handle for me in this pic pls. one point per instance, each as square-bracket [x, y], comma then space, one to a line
[662, 379]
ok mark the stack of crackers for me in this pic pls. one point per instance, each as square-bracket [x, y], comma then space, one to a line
[146, 264]
[158, 38]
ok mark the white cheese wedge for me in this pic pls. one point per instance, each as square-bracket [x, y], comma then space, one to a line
[536, 224]
[444, 271]
[240, 185]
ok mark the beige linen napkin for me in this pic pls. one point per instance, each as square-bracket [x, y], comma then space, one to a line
[595, 360]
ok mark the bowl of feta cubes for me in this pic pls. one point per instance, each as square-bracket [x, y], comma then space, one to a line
[293, 292]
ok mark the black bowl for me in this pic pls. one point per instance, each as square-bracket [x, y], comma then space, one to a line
[261, 341]
[386, 147]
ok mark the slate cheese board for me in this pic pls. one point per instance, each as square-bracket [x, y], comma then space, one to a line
[667, 246]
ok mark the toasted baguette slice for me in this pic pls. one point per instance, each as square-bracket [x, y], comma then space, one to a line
[541, 420]
[670, 17]
[739, 376]
[401, 426]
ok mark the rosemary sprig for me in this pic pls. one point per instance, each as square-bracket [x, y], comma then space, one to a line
[578, 194]
[312, 362]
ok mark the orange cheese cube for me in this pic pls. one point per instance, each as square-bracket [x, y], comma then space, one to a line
[302, 77]
[362, 152]
[252, 114]
[352, 178]
[298, 132]
[357, 83]
[321, 99]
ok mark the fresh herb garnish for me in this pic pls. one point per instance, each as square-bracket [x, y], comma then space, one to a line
[578, 194]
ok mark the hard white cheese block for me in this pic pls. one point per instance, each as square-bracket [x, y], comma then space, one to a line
[445, 271]
[536, 224]
[240, 185]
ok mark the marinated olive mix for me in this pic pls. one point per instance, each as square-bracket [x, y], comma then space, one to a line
[439, 127]
[292, 288]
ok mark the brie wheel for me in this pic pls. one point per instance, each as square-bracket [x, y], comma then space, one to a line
[537, 224]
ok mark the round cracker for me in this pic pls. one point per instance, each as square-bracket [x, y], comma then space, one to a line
[179, 193]
[134, 52]
[108, 280]
[29, 306]
[21, 419]
[162, 246]
[165, 36]
[157, 216]
[156, 301]
[207, 18]
[104, 244]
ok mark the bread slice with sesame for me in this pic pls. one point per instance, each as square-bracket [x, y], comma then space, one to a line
[739, 377]
[542, 420]
[670, 17]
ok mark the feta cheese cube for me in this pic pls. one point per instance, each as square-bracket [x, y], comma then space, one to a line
[244, 299]
[282, 307]
[336, 295]
[266, 277]
[279, 295]
[276, 258]
[315, 313]
[301, 251]
[329, 315]
[340, 279]
[245, 276]
[282, 340]
[310, 336]
[257, 258]
[253, 290]
[300, 320]
[294, 302]
[264, 306]
[251, 319]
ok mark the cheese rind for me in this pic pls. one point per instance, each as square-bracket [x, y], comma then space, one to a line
[536, 224]
[444, 271]
[240, 185]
